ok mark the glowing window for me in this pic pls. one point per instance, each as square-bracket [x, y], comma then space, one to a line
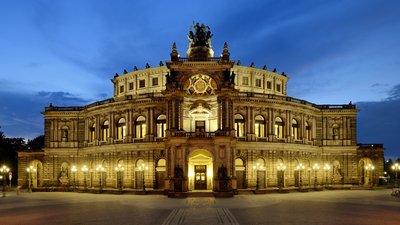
[259, 126]
[239, 125]
[121, 129]
[141, 127]
[279, 127]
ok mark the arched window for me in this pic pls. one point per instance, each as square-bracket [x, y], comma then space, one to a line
[295, 129]
[141, 127]
[104, 131]
[121, 129]
[239, 125]
[92, 132]
[308, 131]
[259, 126]
[279, 127]
[161, 125]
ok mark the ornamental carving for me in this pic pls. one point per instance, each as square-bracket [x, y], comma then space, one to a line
[200, 84]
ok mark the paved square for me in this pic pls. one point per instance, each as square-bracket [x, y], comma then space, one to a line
[326, 207]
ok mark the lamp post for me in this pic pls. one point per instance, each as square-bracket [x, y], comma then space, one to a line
[73, 170]
[143, 168]
[4, 170]
[396, 167]
[84, 170]
[370, 168]
[327, 167]
[315, 169]
[100, 169]
[281, 175]
[120, 169]
[300, 168]
[10, 177]
[31, 170]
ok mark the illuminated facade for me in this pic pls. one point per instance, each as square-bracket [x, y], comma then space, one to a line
[201, 123]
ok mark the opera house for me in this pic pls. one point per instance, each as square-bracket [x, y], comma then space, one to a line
[200, 122]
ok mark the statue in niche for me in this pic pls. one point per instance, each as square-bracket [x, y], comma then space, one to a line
[337, 172]
[64, 135]
[335, 131]
[223, 178]
[178, 172]
[222, 172]
[63, 176]
[233, 78]
[178, 177]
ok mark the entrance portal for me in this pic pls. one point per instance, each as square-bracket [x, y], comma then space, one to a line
[200, 168]
[200, 175]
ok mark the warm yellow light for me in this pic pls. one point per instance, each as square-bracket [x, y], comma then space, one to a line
[281, 167]
[315, 166]
[84, 168]
[191, 172]
[74, 169]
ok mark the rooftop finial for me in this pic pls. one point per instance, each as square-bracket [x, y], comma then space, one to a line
[174, 53]
[225, 52]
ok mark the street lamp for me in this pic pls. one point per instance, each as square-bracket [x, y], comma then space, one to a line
[84, 170]
[327, 167]
[73, 170]
[257, 168]
[143, 168]
[281, 175]
[315, 169]
[100, 169]
[300, 168]
[396, 167]
[31, 170]
[120, 170]
[4, 170]
[369, 168]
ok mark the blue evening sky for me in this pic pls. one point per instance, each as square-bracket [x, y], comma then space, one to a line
[334, 52]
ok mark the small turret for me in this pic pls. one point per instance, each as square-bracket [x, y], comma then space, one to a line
[174, 53]
[225, 52]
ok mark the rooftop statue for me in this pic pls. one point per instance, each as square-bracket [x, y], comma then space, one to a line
[200, 35]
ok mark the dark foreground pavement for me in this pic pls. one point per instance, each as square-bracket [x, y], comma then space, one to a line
[326, 207]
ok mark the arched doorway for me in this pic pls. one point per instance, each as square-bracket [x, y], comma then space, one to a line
[140, 169]
[160, 174]
[200, 168]
[363, 174]
[260, 176]
[240, 173]
[36, 173]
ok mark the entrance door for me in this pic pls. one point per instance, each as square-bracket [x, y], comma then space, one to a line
[160, 176]
[240, 179]
[200, 177]
[200, 126]
[261, 178]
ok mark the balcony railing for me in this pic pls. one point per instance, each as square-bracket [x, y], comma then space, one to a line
[295, 100]
[210, 59]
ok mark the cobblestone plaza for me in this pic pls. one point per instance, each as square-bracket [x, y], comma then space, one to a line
[345, 207]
